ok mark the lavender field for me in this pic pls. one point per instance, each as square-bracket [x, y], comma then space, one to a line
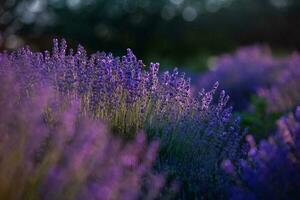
[78, 122]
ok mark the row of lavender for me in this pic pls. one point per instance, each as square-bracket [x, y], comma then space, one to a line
[256, 71]
[197, 132]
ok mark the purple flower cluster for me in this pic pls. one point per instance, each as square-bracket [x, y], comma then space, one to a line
[284, 92]
[196, 146]
[50, 151]
[196, 133]
[118, 90]
[272, 170]
[242, 73]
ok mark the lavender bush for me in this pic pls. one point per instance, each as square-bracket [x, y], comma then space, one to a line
[49, 151]
[117, 90]
[196, 134]
[198, 145]
[272, 170]
[255, 70]
[242, 73]
[284, 93]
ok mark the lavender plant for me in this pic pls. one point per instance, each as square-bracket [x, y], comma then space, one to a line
[205, 136]
[242, 73]
[196, 134]
[50, 151]
[284, 94]
[272, 170]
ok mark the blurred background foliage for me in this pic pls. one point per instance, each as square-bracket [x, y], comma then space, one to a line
[182, 33]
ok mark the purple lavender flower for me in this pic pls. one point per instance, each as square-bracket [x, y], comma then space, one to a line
[272, 170]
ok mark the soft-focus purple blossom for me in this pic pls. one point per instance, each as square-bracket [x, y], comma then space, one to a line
[241, 74]
[49, 151]
[284, 92]
[255, 70]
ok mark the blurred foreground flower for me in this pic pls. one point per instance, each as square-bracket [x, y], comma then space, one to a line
[49, 151]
